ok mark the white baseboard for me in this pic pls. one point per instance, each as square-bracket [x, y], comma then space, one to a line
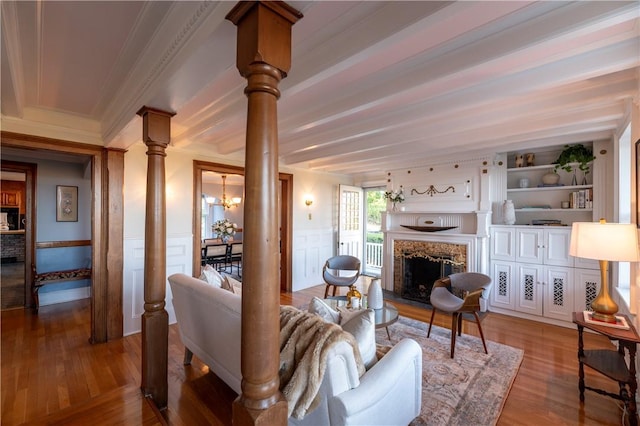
[69, 295]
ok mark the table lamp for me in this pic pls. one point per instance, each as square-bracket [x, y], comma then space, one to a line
[605, 242]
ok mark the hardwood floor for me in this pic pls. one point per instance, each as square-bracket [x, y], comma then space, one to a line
[52, 375]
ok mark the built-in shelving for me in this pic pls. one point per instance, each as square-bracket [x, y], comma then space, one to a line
[526, 189]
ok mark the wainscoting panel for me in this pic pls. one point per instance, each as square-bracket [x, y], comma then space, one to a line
[179, 257]
[311, 248]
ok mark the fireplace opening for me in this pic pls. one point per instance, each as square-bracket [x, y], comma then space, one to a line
[419, 264]
[420, 274]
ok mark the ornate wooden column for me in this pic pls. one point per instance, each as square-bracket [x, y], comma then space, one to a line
[156, 134]
[263, 58]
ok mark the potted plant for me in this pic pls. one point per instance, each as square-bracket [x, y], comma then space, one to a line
[572, 154]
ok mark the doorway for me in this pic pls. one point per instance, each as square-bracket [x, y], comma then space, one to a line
[17, 189]
[374, 205]
[106, 224]
[285, 218]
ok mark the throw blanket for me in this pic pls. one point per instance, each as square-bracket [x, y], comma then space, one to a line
[305, 343]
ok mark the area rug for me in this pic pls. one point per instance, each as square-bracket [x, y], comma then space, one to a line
[468, 390]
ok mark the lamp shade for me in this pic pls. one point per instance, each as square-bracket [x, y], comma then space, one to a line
[605, 241]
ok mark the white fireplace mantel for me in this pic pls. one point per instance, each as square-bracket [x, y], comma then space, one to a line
[455, 194]
[471, 230]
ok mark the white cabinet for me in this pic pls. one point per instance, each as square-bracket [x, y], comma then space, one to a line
[503, 243]
[503, 288]
[529, 289]
[587, 286]
[549, 246]
[533, 273]
[544, 291]
[558, 293]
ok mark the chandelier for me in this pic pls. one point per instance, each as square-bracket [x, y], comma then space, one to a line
[227, 203]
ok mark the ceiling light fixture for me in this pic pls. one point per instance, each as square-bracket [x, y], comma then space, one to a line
[227, 203]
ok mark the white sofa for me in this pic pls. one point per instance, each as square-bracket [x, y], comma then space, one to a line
[389, 393]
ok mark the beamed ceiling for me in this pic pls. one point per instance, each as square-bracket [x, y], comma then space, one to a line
[373, 86]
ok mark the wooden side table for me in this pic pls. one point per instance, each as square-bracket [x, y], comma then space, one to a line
[611, 363]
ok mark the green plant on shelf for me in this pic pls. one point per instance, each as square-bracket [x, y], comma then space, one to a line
[573, 154]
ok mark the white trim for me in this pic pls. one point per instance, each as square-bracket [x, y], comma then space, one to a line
[62, 296]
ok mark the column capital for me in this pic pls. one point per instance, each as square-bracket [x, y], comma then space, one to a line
[156, 125]
[264, 33]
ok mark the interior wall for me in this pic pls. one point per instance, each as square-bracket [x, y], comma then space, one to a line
[315, 238]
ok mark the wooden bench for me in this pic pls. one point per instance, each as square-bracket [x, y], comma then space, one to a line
[54, 277]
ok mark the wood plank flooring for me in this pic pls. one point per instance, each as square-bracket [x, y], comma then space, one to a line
[52, 375]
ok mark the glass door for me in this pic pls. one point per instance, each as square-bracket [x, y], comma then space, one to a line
[374, 205]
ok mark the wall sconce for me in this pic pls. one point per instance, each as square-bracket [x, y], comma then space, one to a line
[308, 201]
[210, 200]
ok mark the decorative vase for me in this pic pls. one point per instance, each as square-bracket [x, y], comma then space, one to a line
[551, 178]
[394, 207]
[374, 296]
[225, 238]
[508, 212]
[574, 179]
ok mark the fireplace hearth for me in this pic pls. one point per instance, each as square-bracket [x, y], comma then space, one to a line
[418, 264]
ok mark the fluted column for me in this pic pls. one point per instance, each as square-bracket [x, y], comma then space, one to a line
[155, 320]
[263, 58]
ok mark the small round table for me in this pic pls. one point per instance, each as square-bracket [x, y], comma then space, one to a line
[384, 316]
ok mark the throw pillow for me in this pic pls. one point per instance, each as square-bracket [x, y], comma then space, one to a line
[211, 276]
[319, 307]
[360, 323]
[232, 285]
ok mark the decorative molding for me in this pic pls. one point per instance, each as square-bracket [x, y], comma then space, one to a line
[179, 259]
[46, 130]
[153, 65]
[432, 190]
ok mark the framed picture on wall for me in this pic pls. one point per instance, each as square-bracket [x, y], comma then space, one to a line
[66, 203]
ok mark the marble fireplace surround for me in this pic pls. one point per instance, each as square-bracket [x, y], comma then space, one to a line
[454, 255]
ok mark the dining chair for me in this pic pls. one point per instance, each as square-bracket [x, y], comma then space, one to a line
[216, 255]
[235, 257]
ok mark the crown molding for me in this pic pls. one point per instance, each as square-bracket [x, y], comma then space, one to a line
[179, 34]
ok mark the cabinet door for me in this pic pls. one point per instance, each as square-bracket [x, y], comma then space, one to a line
[529, 285]
[502, 289]
[503, 241]
[556, 247]
[558, 298]
[586, 288]
[11, 198]
[529, 243]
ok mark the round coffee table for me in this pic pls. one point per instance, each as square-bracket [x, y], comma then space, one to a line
[384, 316]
